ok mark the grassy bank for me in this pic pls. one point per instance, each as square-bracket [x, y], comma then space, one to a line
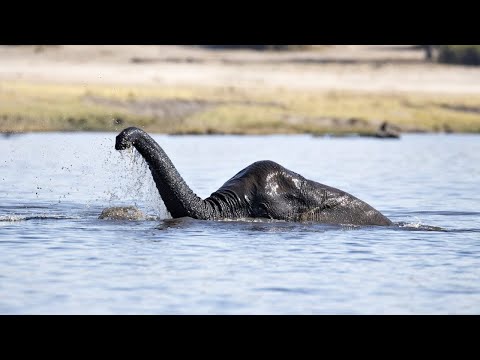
[201, 110]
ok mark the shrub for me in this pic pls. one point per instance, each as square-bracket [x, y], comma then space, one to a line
[459, 54]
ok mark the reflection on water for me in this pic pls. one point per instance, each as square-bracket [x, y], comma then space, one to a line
[56, 256]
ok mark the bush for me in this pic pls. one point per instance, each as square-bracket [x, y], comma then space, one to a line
[459, 54]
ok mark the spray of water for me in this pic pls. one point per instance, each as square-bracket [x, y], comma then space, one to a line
[133, 184]
[125, 180]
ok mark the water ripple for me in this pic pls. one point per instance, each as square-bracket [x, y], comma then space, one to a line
[58, 257]
[13, 218]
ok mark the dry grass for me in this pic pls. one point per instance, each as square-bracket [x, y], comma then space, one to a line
[47, 107]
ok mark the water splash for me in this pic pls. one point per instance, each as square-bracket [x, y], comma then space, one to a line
[133, 183]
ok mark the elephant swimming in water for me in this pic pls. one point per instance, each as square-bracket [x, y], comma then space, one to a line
[264, 189]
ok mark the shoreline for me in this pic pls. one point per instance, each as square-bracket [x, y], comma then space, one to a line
[342, 90]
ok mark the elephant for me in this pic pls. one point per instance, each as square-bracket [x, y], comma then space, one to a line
[264, 189]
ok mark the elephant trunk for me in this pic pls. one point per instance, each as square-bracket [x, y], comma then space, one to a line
[179, 199]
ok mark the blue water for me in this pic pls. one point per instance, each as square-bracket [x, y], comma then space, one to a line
[56, 257]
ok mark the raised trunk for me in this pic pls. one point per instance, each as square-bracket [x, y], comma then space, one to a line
[179, 199]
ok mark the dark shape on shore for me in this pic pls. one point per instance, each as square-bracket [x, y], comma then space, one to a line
[264, 189]
[259, 47]
[8, 134]
[387, 131]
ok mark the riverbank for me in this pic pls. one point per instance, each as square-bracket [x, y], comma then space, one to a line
[191, 90]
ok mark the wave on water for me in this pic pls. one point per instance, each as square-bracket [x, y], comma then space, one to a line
[422, 227]
[439, 213]
[414, 226]
[265, 224]
[417, 226]
[13, 218]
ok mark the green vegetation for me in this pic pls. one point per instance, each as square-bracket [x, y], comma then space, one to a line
[459, 54]
[205, 110]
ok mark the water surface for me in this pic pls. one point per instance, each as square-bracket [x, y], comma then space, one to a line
[57, 257]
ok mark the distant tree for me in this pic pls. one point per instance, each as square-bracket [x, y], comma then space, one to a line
[428, 51]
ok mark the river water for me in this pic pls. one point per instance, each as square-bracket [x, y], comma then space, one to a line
[57, 257]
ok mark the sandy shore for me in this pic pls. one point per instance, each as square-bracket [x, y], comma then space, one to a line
[343, 67]
[340, 89]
